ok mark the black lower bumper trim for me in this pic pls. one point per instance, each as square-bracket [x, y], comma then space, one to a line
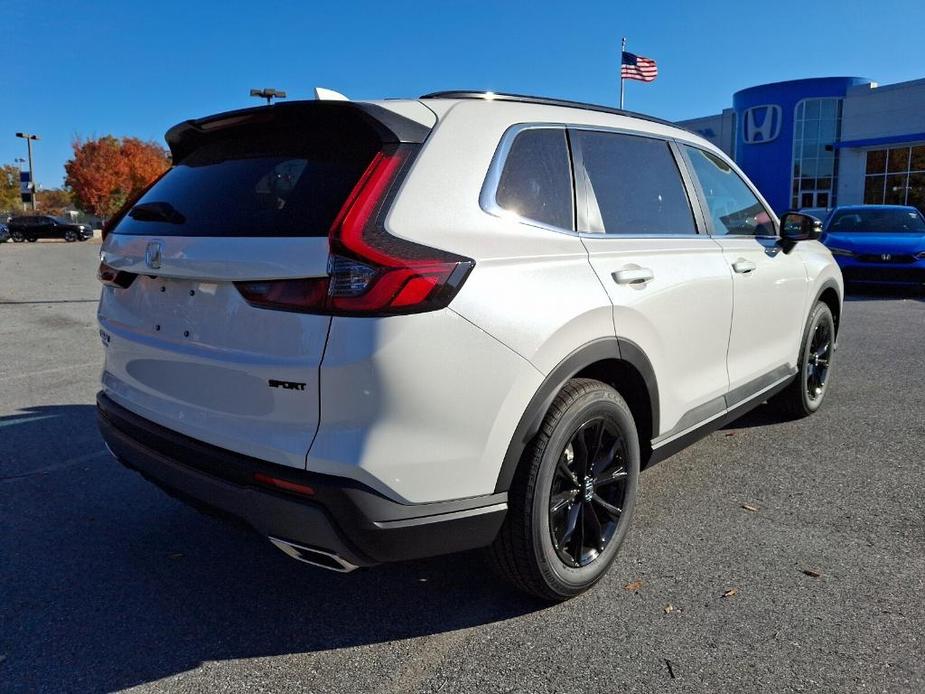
[884, 274]
[343, 517]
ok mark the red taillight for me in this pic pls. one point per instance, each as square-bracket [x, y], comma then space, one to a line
[115, 278]
[285, 485]
[371, 272]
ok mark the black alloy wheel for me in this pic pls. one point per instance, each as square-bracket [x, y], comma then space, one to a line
[572, 497]
[816, 368]
[806, 392]
[588, 489]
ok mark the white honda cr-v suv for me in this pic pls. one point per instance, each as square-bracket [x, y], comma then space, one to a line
[384, 330]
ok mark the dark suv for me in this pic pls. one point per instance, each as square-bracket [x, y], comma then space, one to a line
[45, 227]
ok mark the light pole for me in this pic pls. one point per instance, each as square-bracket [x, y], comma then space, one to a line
[28, 137]
[268, 93]
[18, 162]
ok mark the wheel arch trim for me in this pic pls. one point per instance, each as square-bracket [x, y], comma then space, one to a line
[603, 349]
[830, 284]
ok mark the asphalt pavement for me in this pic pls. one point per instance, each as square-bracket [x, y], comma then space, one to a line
[785, 556]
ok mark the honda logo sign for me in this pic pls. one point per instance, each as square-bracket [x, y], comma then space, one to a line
[761, 124]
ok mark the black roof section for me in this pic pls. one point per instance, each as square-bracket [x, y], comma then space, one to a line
[546, 101]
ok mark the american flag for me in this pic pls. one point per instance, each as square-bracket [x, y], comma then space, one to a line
[635, 67]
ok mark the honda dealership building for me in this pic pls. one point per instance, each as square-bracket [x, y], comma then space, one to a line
[826, 141]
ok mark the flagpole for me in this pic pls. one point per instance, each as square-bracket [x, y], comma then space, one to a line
[622, 51]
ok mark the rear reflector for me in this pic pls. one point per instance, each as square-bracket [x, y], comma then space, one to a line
[371, 272]
[285, 485]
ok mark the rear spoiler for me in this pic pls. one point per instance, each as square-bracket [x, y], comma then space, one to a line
[391, 127]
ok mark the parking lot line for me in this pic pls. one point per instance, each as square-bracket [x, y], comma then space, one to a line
[58, 466]
[23, 420]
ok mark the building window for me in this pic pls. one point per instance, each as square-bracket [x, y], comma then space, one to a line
[896, 176]
[817, 127]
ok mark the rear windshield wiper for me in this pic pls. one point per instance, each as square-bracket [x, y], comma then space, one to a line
[156, 212]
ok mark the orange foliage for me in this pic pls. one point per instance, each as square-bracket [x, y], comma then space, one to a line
[107, 171]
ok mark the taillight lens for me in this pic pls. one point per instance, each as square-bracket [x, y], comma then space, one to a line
[111, 277]
[370, 272]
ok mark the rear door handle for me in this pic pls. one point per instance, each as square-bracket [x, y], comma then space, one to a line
[743, 266]
[636, 276]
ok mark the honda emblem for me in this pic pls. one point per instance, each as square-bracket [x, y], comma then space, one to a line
[761, 124]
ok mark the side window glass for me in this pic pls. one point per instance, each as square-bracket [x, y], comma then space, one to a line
[733, 207]
[536, 182]
[635, 184]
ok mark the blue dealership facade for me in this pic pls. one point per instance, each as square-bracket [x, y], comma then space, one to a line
[822, 142]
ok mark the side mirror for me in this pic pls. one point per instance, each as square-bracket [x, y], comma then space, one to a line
[796, 226]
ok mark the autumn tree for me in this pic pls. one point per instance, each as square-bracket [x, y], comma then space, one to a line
[10, 200]
[107, 171]
[54, 201]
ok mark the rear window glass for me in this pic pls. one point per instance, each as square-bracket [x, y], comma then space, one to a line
[536, 182]
[257, 181]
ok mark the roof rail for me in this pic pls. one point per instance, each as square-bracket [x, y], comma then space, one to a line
[545, 101]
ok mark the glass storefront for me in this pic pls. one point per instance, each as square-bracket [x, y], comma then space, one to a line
[896, 176]
[817, 127]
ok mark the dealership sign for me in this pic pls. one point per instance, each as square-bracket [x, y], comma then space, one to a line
[25, 185]
[761, 124]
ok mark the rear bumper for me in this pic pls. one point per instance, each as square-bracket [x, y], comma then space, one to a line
[341, 518]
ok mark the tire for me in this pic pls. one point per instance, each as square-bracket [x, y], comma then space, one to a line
[17, 237]
[32, 239]
[525, 552]
[806, 394]
[70, 236]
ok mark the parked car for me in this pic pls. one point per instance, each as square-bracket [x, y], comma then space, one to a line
[4, 233]
[385, 330]
[35, 227]
[878, 244]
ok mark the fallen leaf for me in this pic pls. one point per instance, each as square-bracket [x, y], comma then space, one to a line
[812, 573]
[669, 608]
[634, 586]
[729, 593]
[749, 507]
[730, 433]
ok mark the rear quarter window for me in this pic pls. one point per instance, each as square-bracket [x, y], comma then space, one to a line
[536, 180]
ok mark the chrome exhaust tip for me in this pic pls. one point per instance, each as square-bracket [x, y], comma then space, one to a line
[313, 556]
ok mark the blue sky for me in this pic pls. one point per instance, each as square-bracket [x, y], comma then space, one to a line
[135, 68]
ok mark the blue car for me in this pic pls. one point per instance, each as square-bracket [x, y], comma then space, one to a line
[877, 244]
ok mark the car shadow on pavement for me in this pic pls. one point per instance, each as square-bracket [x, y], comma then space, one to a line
[109, 583]
[762, 416]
